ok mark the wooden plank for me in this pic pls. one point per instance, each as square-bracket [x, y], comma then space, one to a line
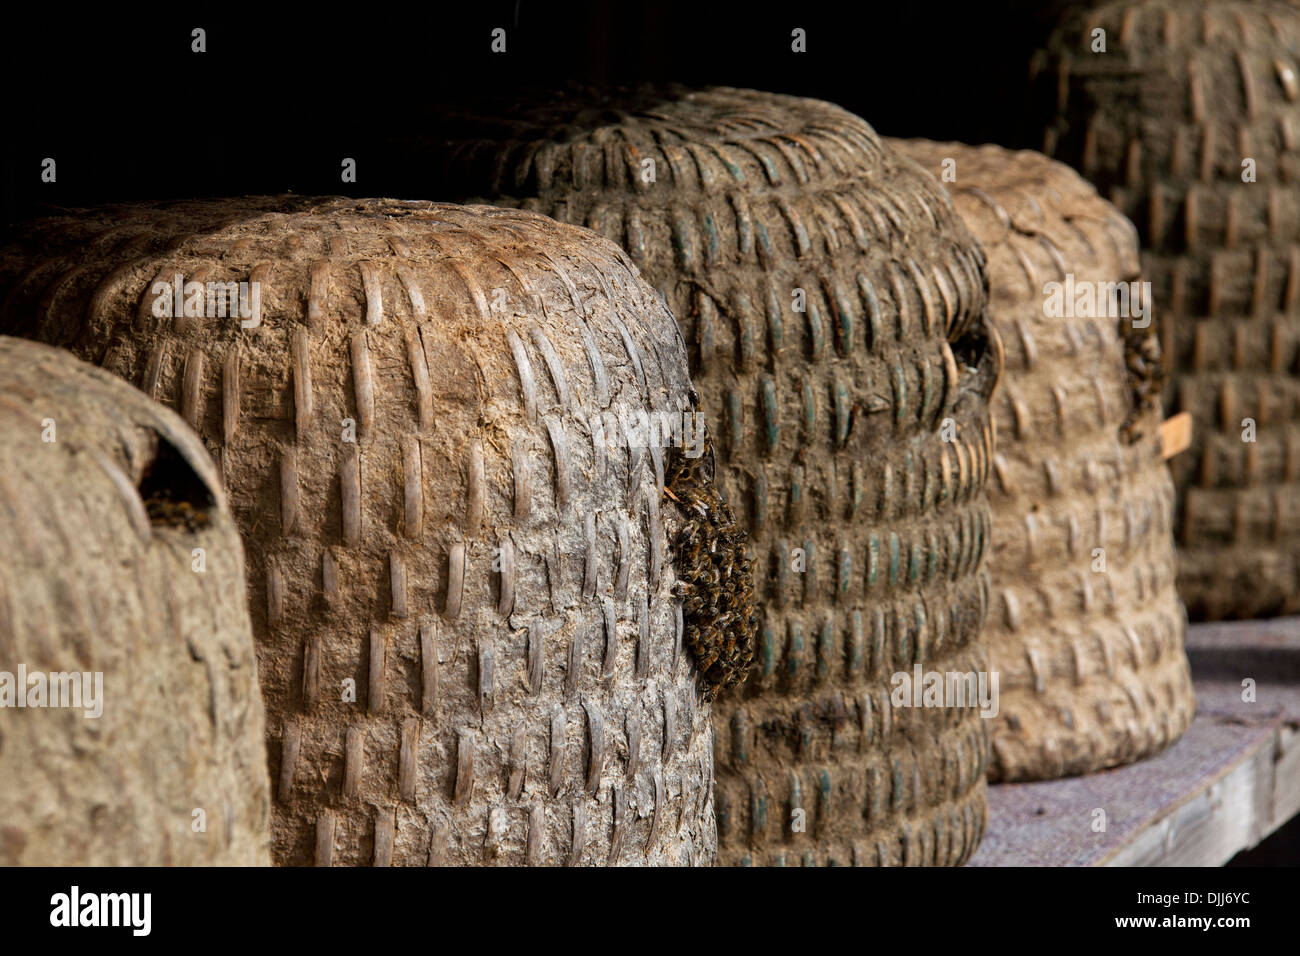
[1057, 823]
[1225, 655]
[1232, 779]
[1217, 821]
[1263, 650]
[1286, 777]
[1175, 434]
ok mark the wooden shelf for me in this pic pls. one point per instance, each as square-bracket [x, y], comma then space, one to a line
[1230, 780]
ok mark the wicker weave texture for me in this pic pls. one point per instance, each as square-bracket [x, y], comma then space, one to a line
[469, 643]
[834, 312]
[1085, 629]
[1187, 92]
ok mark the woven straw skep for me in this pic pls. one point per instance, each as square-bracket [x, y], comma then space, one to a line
[1190, 98]
[833, 310]
[469, 635]
[131, 727]
[1085, 628]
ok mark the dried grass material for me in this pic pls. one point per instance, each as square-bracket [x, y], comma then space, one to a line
[1161, 123]
[468, 638]
[868, 530]
[1091, 662]
[121, 559]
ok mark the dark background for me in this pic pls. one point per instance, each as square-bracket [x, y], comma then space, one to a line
[125, 108]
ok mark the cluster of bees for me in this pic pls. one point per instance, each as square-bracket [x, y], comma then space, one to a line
[165, 510]
[715, 575]
[1146, 375]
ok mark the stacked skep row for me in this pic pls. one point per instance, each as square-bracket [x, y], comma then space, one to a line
[1085, 628]
[828, 432]
[469, 628]
[1166, 122]
[120, 560]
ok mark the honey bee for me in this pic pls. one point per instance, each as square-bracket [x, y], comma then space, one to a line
[164, 510]
[715, 576]
[1146, 374]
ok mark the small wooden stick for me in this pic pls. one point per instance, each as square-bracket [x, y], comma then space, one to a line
[1175, 435]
